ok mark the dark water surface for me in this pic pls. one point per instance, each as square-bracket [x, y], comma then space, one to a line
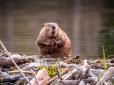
[21, 21]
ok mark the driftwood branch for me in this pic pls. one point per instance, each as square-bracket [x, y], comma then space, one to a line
[6, 62]
[9, 54]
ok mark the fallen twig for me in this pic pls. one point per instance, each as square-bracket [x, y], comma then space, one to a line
[17, 71]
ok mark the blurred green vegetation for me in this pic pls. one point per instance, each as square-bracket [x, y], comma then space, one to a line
[108, 27]
[50, 69]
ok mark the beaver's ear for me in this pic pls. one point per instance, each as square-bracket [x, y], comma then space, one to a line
[43, 24]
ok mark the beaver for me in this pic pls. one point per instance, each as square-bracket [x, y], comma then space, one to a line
[53, 41]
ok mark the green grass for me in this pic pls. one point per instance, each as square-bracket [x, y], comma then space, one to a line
[104, 59]
[99, 76]
[50, 69]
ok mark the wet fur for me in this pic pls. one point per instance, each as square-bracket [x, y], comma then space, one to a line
[57, 45]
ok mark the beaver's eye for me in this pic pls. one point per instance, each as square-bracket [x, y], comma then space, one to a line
[53, 27]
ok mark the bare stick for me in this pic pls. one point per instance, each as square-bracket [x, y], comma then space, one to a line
[4, 48]
[9, 54]
[17, 71]
[59, 76]
[69, 74]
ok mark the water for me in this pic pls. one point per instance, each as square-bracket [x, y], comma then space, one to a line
[21, 21]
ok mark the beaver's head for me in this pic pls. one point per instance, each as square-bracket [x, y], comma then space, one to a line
[51, 29]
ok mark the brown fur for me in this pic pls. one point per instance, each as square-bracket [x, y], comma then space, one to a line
[53, 42]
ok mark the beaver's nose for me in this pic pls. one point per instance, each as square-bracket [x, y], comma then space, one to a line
[53, 27]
